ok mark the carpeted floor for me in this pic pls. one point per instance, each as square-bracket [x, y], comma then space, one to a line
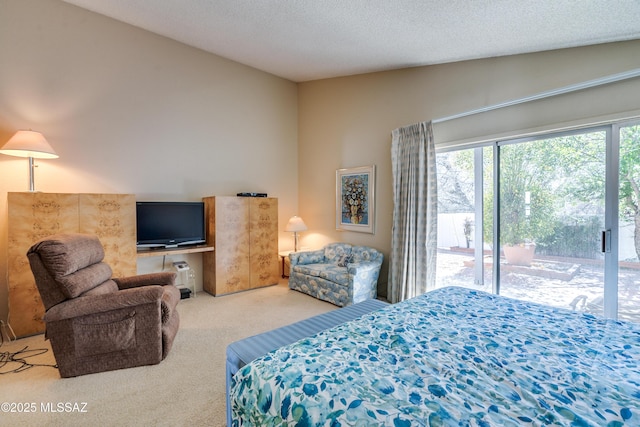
[186, 389]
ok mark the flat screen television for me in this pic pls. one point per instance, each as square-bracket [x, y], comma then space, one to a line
[169, 224]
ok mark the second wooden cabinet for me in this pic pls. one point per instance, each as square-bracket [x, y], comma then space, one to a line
[244, 232]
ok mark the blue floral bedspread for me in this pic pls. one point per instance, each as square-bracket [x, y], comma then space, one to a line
[450, 357]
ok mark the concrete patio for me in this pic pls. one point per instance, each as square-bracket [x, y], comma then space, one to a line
[567, 283]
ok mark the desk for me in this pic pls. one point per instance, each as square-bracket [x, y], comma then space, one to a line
[172, 251]
[185, 275]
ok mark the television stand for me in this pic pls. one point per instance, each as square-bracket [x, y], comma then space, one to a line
[151, 252]
[173, 251]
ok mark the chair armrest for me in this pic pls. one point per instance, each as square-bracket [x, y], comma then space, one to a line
[362, 268]
[363, 277]
[307, 257]
[162, 278]
[86, 305]
[170, 299]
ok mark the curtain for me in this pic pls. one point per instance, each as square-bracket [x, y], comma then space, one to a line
[412, 265]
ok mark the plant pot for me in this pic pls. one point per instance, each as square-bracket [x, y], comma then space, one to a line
[519, 254]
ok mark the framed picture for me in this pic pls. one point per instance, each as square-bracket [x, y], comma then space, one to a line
[355, 199]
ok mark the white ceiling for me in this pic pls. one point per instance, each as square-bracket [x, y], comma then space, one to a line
[303, 40]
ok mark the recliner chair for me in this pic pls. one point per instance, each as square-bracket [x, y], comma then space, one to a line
[95, 322]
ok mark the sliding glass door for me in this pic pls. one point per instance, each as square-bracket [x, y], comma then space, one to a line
[552, 212]
[564, 221]
[464, 197]
[628, 282]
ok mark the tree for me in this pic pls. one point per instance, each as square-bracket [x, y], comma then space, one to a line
[550, 184]
[455, 181]
[545, 184]
[629, 196]
[526, 194]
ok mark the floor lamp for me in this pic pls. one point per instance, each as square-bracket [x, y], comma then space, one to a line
[31, 144]
[295, 224]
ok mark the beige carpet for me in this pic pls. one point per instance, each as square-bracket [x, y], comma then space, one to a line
[186, 389]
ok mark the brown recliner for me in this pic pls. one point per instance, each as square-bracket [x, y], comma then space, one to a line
[95, 322]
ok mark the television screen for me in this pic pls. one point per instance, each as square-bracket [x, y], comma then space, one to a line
[169, 224]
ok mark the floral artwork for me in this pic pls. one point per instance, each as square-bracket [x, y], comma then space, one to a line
[355, 199]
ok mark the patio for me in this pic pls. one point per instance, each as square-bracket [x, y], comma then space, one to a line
[562, 283]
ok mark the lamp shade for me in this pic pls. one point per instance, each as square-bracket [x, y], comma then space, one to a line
[295, 224]
[28, 143]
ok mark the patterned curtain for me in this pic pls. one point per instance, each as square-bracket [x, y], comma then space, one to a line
[412, 268]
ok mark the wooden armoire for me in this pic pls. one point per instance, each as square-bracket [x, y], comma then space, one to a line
[244, 232]
[33, 216]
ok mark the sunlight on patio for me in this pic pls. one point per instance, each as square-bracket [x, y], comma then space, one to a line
[567, 283]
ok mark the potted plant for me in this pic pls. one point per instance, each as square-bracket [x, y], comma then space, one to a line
[467, 229]
[526, 206]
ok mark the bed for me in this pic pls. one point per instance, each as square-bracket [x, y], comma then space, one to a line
[242, 352]
[452, 356]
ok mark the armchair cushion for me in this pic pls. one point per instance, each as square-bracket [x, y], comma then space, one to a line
[344, 260]
[75, 284]
[310, 257]
[67, 254]
[363, 254]
[334, 252]
[75, 264]
[331, 272]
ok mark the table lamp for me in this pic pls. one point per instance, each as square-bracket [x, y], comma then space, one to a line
[295, 224]
[31, 144]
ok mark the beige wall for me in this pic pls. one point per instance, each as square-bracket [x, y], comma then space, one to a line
[347, 122]
[133, 112]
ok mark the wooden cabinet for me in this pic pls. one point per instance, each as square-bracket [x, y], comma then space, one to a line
[33, 216]
[244, 232]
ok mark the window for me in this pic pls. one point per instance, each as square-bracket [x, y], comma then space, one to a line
[568, 205]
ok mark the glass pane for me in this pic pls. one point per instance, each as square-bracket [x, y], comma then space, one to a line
[457, 233]
[551, 217]
[629, 223]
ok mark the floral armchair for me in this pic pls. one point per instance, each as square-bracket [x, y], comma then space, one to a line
[339, 273]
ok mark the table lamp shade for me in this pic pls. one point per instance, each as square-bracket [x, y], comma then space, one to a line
[295, 224]
[28, 143]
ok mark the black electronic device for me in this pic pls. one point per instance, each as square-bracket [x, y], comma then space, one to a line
[185, 293]
[252, 194]
[169, 224]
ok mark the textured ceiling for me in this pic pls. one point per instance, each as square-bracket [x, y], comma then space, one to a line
[304, 40]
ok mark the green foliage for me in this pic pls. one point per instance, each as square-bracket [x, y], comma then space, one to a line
[630, 171]
[629, 196]
[573, 238]
[540, 180]
[564, 178]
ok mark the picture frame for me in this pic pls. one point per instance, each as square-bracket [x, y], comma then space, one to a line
[355, 199]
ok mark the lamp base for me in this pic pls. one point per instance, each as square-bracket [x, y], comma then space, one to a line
[32, 185]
